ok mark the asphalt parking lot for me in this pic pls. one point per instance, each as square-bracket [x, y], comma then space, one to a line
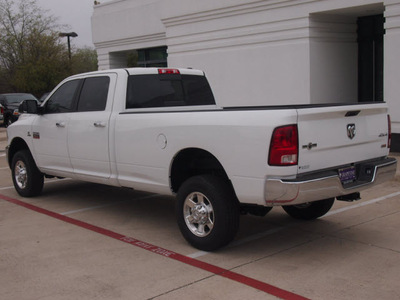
[86, 241]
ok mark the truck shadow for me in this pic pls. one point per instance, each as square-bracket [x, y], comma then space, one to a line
[151, 218]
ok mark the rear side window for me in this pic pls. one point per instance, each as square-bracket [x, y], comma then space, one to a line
[146, 91]
[94, 94]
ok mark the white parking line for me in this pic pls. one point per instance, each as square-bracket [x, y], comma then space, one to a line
[46, 182]
[86, 208]
[277, 229]
[91, 208]
[2, 155]
[337, 211]
[104, 205]
[6, 188]
[245, 240]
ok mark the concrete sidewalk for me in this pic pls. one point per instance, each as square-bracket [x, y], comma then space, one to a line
[351, 253]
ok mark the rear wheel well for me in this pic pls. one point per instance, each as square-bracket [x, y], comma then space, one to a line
[192, 162]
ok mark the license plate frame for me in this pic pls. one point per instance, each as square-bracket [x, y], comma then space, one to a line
[347, 175]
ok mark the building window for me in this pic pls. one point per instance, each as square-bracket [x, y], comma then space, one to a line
[370, 58]
[147, 58]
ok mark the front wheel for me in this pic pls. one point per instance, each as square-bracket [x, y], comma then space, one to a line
[310, 210]
[28, 180]
[207, 212]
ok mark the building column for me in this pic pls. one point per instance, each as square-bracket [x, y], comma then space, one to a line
[392, 67]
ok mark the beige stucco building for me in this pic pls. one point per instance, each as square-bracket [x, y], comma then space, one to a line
[271, 52]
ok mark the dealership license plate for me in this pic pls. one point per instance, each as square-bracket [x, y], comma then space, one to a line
[347, 175]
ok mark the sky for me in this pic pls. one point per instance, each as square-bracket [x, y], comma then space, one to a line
[76, 14]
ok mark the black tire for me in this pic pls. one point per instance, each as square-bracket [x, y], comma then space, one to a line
[28, 180]
[311, 210]
[207, 212]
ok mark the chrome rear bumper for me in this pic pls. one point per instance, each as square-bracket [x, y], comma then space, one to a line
[327, 184]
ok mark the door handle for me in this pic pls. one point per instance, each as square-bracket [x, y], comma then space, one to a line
[99, 124]
[60, 124]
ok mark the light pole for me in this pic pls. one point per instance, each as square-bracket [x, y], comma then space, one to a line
[68, 35]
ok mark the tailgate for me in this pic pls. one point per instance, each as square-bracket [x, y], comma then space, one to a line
[340, 135]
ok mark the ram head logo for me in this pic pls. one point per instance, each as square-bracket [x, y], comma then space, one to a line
[351, 131]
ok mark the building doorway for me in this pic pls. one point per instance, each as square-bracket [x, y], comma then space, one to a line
[370, 58]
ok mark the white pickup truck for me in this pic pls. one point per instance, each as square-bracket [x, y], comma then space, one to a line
[160, 130]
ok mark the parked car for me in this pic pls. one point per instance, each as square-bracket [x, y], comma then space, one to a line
[1, 113]
[43, 97]
[10, 103]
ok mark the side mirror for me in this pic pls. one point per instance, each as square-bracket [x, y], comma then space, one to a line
[29, 107]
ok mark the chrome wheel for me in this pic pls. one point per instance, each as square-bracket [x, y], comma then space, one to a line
[20, 174]
[198, 214]
[27, 179]
[207, 212]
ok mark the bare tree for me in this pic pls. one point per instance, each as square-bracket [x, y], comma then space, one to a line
[32, 57]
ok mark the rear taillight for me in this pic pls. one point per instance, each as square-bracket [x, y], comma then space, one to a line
[284, 146]
[1, 110]
[389, 143]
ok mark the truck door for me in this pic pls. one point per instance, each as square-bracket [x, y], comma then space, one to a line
[88, 130]
[50, 130]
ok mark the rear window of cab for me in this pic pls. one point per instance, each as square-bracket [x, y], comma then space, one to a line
[167, 90]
